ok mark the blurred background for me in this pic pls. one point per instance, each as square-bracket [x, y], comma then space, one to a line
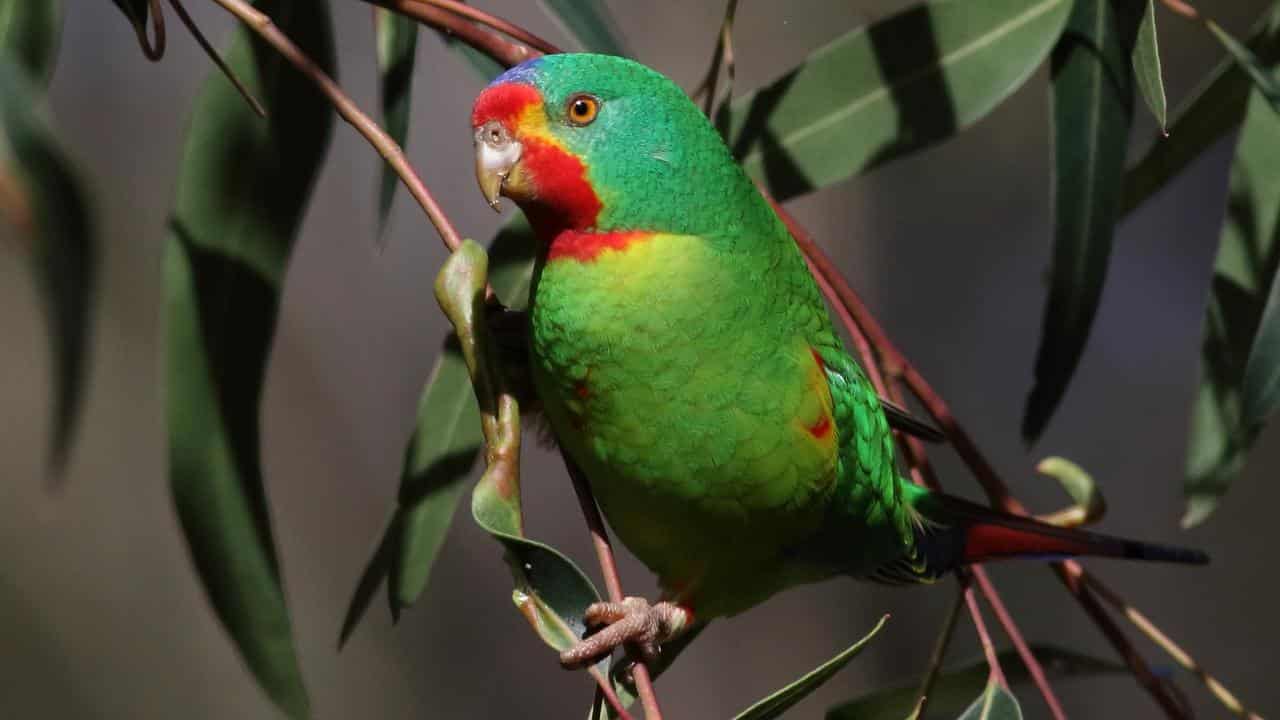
[101, 614]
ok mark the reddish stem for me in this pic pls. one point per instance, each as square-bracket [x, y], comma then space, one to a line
[502, 50]
[612, 583]
[514, 31]
[1034, 668]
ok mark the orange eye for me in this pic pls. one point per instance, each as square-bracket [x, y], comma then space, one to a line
[583, 109]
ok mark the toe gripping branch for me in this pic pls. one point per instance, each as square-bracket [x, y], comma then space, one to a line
[632, 622]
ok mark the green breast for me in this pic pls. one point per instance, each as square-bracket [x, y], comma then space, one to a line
[685, 386]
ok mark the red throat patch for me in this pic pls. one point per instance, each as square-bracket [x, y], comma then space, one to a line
[585, 247]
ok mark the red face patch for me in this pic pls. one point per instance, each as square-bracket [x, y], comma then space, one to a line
[504, 103]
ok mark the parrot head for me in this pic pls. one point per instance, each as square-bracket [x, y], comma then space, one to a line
[596, 142]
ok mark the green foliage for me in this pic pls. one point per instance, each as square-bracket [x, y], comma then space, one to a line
[441, 453]
[396, 41]
[1092, 108]
[887, 90]
[1224, 422]
[42, 199]
[29, 33]
[1146, 66]
[995, 703]
[589, 23]
[953, 690]
[779, 702]
[242, 189]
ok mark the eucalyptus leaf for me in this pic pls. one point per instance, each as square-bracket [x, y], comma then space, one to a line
[1092, 107]
[550, 590]
[884, 91]
[1224, 422]
[41, 198]
[440, 455]
[589, 23]
[396, 40]
[995, 703]
[1214, 109]
[779, 702]
[29, 34]
[1146, 66]
[1263, 81]
[242, 190]
[953, 690]
[442, 450]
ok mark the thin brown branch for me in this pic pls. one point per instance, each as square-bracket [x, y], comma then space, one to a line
[209, 50]
[939, 652]
[612, 583]
[897, 366]
[1180, 656]
[722, 57]
[502, 50]
[381, 141]
[1034, 668]
[152, 49]
[984, 637]
[503, 26]
[1181, 8]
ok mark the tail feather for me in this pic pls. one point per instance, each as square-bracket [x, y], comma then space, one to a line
[954, 532]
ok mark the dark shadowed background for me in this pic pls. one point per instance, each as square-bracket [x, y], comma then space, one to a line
[101, 614]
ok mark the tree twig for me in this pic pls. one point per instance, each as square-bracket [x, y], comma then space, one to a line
[503, 26]
[209, 50]
[381, 141]
[1034, 668]
[502, 50]
[984, 638]
[1180, 656]
[612, 583]
[939, 652]
[721, 57]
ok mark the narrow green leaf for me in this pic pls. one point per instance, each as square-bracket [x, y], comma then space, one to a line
[995, 703]
[396, 39]
[1091, 109]
[1222, 429]
[782, 700]
[242, 190]
[1262, 369]
[41, 198]
[954, 688]
[550, 590]
[29, 33]
[887, 90]
[1216, 108]
[589, 23]
[1146, 66]
[441, 454]
[1263, 81]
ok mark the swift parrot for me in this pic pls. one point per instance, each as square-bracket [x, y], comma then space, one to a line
[686, 363]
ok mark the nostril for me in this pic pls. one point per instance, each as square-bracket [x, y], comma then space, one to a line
[493, 134]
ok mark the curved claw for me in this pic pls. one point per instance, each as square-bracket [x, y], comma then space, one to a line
[633, 622]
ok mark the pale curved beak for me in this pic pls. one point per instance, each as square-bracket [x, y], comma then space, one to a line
[496, 154]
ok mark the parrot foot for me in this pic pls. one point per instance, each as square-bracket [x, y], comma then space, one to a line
[633, 622]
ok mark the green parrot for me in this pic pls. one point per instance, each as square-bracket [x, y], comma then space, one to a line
[686, 363]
